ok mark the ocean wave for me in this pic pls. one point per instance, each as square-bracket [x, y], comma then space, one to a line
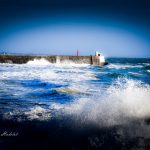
[147, 66]
[91, 99]
[33, 113]
[121, 66]
[38, 62]
[73, 90]
[29, 75]
[54, 73]
[38, 113]
[135, 74]
[69, 63]
[63, 64]
[123, 101]
[114, 74]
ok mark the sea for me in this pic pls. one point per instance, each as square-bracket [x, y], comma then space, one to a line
[75, 106]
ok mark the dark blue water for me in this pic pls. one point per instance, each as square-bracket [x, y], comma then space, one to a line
[76, 106]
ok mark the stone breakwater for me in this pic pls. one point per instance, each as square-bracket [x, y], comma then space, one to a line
[16, 59]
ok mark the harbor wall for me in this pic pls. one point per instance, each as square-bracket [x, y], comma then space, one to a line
[93, 60]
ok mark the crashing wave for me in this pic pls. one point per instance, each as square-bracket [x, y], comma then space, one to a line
[124, 100]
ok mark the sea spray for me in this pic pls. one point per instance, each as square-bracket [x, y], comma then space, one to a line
[125, 99]
[38, 62]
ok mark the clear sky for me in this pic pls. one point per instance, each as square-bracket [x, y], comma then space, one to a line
[115, 28]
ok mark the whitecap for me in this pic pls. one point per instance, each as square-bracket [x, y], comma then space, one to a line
[123, 101]
[135, 73]
[38, 62]
[38, 113]
[121, 66]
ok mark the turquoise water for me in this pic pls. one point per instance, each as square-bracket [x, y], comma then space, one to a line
[106, 97]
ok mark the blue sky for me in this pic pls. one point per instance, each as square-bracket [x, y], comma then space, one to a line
[59, 30]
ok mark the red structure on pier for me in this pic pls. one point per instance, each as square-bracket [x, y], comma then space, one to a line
[77, 53]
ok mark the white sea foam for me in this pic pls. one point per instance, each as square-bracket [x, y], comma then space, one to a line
[69, 63]
[38, 113]
[122, 101]
[43, 70]
[38, 62]
[34, 113]
[121, 66]
[135, 73]
[46, 75]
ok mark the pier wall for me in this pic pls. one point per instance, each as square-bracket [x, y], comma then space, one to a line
[93, 60]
